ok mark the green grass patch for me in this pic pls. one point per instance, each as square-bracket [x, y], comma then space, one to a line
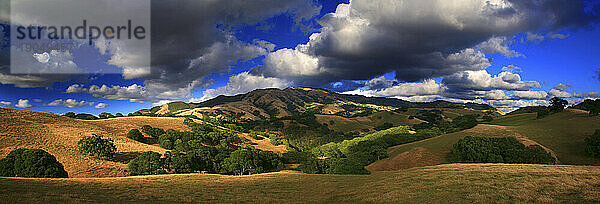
[565, 134]
[514, 120]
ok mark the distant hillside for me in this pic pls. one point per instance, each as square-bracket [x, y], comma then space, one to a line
[270, 103]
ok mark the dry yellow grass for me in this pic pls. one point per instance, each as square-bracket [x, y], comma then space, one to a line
[453, 183]
[58, 135]
[264, 144]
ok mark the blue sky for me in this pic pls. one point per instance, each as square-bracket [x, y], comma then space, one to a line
[432, 57]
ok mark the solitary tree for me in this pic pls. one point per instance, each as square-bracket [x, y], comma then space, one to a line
[33, 163]
[136, 135]
[70, 115]
[98, 147]
[558, 104]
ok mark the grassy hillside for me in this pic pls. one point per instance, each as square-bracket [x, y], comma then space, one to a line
[455, 183]
[58, 135]
[276, 103]
[514, 119]
[343, 124]
[564, 133]
[433, 151]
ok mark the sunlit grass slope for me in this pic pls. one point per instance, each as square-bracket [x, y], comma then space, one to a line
[455, 183]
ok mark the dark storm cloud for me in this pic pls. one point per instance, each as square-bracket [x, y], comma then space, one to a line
[416, 39]
[190, 41]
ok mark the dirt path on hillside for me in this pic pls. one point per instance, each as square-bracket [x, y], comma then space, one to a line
[264, 144]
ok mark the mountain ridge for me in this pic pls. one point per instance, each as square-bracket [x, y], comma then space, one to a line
[277, 103]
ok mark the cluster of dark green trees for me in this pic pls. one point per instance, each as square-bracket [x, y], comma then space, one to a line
[591, 105]
[498, 150]
[154, 134]
[204, 149]
[556, 105]
[302, 132]
[85, 116]
[435, 118]
[32, 163]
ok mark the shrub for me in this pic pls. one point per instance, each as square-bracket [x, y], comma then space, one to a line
[96, 146]
[152, 132]
[465, 122]
[346, 166]
[32, 163]
[119, 115]
[105, 115]
[592, 147]
[136, 135]
[70, 115]
[147, 163]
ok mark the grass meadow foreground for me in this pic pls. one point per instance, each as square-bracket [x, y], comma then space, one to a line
[452, 183]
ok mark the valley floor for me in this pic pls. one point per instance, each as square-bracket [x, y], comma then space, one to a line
[451, 183]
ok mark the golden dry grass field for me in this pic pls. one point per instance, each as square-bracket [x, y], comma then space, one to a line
[58, 135]
[452, 183]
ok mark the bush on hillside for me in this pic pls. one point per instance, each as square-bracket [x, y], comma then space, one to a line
[593, 106]
[98, 147]
[136, 135]
[152, 132]
[70, 115]
[32, 163]
[465, 122]
[498, 150]
[592, 147]
[147, 163]
[106, 115]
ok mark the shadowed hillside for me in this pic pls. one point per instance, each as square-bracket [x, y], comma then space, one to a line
[58, 135]
[276, 103]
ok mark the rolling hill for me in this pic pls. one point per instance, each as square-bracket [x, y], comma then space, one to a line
[277, 103]
[454, 183]
[562, 134]
[58, 135]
